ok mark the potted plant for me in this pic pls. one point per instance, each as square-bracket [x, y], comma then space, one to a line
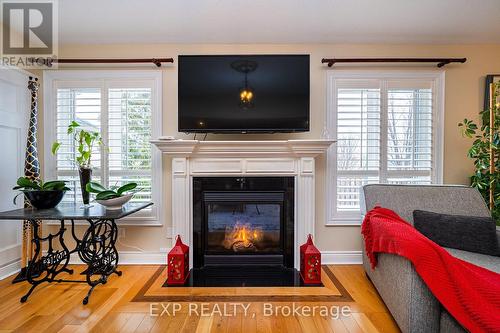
[41, 195]
[85, 140]
[113, 198]
[486, 144]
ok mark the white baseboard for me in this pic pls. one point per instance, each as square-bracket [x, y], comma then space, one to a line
[160, 258]
[132, 258]
[10, 260]
[341, 257]
[126, 258]
[10, 269]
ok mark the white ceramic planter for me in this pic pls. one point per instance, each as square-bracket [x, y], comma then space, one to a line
[116, 203]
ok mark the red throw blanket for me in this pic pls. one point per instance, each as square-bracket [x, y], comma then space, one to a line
[470, 293]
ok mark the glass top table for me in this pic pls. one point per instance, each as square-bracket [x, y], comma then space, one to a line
[73, 212]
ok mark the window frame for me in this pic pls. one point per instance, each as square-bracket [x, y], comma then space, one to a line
[105, 79]
[437, 77]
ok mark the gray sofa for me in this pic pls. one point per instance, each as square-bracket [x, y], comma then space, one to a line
[409, 300]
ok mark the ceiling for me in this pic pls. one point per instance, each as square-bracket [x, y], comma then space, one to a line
[279, 21]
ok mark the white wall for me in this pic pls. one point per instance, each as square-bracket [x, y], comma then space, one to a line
[14, 113]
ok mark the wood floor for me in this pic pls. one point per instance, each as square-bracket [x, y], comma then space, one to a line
[58, 308]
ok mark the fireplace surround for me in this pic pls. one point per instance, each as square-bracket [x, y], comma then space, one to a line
[243, 221]
[273, 158]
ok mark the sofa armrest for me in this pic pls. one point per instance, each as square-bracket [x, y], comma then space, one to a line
[404, 293]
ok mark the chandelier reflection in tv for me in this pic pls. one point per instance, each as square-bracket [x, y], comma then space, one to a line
[247, 93]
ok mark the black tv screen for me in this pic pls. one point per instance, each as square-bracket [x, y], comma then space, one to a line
[243, 93]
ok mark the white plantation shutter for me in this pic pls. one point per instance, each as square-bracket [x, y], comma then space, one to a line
[358, 142]
[127, 113]
[409, 133]
[129, 133]
[386, 130]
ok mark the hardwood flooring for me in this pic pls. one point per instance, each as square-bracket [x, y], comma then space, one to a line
[58, 308]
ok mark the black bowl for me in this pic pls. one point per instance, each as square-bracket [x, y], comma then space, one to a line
[44, 199]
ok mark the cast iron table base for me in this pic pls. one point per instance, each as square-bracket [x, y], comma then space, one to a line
[96, 249]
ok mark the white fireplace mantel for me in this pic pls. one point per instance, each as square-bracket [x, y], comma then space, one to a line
[193, 158]
[302, 148]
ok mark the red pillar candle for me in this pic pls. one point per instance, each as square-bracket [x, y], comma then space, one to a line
[310, 262]
[178, 263]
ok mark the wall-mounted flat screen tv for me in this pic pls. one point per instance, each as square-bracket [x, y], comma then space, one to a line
[243, 93]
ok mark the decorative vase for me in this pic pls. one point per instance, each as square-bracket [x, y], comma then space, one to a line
[85, 178]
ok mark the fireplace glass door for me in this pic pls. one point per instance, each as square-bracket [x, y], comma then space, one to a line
[244, 228]
[243, 223]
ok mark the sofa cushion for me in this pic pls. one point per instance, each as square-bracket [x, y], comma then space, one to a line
[489, 262]
[468, 233]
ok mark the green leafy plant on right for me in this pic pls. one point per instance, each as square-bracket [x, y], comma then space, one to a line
[103, 193]
[483, 179]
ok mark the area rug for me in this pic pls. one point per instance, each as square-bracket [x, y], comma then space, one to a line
[154, 291]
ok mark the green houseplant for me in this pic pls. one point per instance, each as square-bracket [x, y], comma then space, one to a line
[41, 195]
[85, 142]
[483, 179]
[112, 198]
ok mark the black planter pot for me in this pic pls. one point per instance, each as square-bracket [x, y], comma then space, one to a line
[85, 178]
[44, 199]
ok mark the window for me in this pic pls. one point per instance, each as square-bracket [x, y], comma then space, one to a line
[125, 107]
[388, 128]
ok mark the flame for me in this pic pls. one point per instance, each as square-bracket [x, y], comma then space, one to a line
[244, 234]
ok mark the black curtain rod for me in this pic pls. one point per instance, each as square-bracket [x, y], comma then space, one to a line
[49, 61]
[440, 61]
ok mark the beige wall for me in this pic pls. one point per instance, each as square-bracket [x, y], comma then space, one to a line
[464, 98]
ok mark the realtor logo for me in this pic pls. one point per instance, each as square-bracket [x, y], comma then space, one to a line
[28, 28]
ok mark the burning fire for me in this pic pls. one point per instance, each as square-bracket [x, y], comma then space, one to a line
[241, 237]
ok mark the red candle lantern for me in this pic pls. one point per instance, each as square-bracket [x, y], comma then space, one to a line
[310, 262]
[178, 263]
